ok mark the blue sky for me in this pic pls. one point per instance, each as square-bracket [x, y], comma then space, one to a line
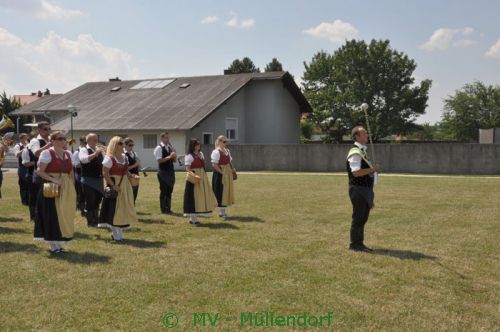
[62, 44]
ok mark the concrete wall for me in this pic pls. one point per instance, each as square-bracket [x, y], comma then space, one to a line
[436, 158]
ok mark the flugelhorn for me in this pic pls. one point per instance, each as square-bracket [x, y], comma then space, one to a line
[6, 122]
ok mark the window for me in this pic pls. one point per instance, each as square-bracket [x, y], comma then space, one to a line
[152, 84]
[185, 85]
[208, 138]
[149, 141]
[232, 129]
[116, 88]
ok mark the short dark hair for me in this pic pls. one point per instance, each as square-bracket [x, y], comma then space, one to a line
[22, 135]
[42, 123]
[165, 133]
[128, 140]
[193, 142]
[83, 139]
[355, 131]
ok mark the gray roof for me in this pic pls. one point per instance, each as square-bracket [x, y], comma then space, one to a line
[36, 105]
[169, 108]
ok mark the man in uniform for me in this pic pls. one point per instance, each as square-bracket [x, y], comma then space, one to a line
[166, 156]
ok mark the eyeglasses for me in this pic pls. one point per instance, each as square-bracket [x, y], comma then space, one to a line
[225, 142]
[130, 145]
[120, 143]
[45, 128]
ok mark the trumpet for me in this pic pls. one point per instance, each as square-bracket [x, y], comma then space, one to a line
[6, 122]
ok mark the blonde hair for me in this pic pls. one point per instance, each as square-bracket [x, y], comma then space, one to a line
[55, 134]
[112, 145]
[219, 139]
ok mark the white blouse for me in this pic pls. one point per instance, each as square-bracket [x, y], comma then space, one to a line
[188, 159]
[46, 157]
[108, 162]
[216, 155]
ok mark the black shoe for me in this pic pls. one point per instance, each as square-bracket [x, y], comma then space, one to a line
[194, 222]
[360, 248]
[55, 251]
[366, 248]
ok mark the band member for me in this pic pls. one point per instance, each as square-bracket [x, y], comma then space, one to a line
[29, 161]
[54, 220]
[134, 164]
[166, 155]
[199, 198]
[37, 145]
[4, 148]
[119, 212]
[361, 173]
[91, 158]
[21, 169]
[77, 169]
[222, 178]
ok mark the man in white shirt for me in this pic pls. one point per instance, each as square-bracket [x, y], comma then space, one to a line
[361, 174]
[165, 155]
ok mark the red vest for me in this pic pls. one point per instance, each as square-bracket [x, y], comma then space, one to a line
[117, 168]
[224, 159]
[56, 165]
[197, 162]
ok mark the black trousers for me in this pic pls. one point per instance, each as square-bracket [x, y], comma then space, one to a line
[33, 189]
[167, 182]
[93, 199]
[360, 213]
[135, 191]
[23, 185]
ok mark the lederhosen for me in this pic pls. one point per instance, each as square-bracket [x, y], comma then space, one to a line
[361, 195]
[21, 174]
[93, 187]
[135, 170]
[166, 177]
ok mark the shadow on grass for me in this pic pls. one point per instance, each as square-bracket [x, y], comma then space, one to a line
[245, 219]
[403, 254]
[10, 219]
[139, 213]
[155, 221]
[6, 247]
[85, 258]
[6, 230]
[142, 243]
[218, 225]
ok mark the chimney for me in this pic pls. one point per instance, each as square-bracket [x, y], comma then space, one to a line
[227, 72]
[40, 93]
[116, 79]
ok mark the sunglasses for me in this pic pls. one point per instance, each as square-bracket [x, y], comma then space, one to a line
[120, 143]
[45, 129]
[131, 145]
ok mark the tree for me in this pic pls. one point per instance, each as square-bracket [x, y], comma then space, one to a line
[8, 104]
[274, 65]
[336, 85]
[244, 66]
[475, 106]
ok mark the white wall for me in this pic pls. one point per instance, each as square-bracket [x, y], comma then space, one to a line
[177, 138]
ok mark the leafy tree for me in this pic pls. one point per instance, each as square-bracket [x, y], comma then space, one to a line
[8, 104]
[336, 85]
[475, 106]
[274, 65]
[244, 65]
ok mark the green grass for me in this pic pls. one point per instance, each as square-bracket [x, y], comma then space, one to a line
[436, 265]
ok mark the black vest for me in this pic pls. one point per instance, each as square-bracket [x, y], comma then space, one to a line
[131, 161]
[365, 181]
[42, 144]
[78, 170]
[168, 165]
[92, 169]
[31, 169]
[20, 159]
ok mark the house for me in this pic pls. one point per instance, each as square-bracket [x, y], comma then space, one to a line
[256, 108]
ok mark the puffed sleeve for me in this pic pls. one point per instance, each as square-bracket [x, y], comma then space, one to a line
[45, 157]
[188, 160]
[107, 162]
[215, 157]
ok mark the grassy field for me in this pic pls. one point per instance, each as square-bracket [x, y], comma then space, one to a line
[435, 268]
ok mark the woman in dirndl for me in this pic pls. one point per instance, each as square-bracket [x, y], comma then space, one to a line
[199, 199]
[222, 179]
[117, 213]
[54, 220]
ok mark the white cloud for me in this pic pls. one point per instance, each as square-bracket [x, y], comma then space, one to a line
[444, 38]
[59, 63]
[336, 32]
[209, 20]
[42, 9]
[233, 22]
[494, 51]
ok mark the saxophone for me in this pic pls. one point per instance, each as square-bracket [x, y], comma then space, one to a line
[6, 140]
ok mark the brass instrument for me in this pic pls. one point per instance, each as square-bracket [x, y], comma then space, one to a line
[7, 139]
